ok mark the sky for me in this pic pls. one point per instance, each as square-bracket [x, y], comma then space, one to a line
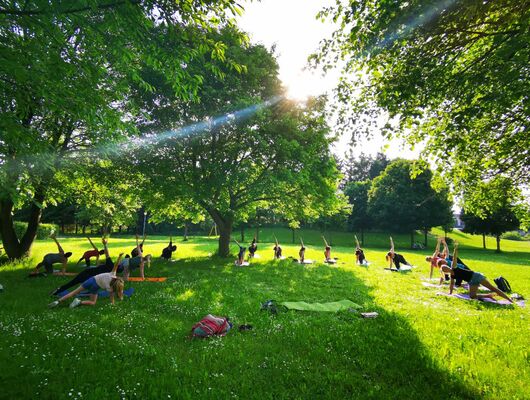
[291, 27]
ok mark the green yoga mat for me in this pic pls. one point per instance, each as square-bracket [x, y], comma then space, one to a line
[324, 307]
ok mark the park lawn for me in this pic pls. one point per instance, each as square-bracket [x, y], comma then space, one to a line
[421, 346]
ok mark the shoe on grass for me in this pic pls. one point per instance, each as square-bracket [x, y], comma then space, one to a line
[75, 303]
[53, 304]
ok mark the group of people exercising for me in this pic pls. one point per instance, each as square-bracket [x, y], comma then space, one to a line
[104, 276]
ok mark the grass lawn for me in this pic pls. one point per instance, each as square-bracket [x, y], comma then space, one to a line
[421, 346]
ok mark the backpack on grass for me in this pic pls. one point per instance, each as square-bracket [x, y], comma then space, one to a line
[502, 284]
[211, 326]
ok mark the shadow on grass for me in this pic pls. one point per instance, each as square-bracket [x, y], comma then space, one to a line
[290, 355]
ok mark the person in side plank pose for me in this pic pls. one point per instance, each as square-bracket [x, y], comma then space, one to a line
[359, 253]
[95, 252]
[393, 257]
[53, 258]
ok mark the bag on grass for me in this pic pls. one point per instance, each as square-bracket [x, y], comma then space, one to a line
[211, 326]
[502, 284]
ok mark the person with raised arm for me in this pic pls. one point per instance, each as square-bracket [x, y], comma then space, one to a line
[252, 248]
[241, 254]
[137, 250]
[393, 257]
[53, 258]
[95, 252]
[327, 251]
[107, 281]
[277, 249]
[168, 251]
[438, 259]
[301, 252]
[359, 253]
[138, 261]
[474, 279]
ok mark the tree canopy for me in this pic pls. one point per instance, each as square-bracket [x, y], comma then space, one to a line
[452, 75]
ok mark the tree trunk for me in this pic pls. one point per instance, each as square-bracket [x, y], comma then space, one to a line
[362, 237]
[84, 229]
[292, 229]
[257, 233]
[425, 237]
[498, 237]
[76, 226]
[484, 241]
[185, 231]
[225, 225]
[13, 247]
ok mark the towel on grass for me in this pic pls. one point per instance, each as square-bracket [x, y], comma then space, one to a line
[485, 300]
[323, 307]
[404, 268]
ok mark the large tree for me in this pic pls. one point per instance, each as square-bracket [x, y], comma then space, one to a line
[450, 74]
[401, 200]
[66, 72]
[248, 148]
[359, 220]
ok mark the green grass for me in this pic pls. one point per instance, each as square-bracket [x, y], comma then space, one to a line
[421, 346]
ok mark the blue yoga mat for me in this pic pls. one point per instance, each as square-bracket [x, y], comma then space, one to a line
[101, 293]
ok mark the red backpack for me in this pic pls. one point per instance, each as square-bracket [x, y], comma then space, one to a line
[211, 326]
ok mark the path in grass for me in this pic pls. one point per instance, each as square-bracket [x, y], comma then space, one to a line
[421, 345]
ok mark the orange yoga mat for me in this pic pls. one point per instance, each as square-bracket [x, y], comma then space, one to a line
[138, 279]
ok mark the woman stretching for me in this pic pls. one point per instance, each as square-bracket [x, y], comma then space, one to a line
[168, 251]
[327, 252]
[252, 248]
[91, 253]
[301, 252]
[241, 254]
[89, 272]
[136, 250]
[359, 253]
[106, 281]
[438, 259]
[277, 250]
[475, 279]
[53, 258]
[130, 264]
[394, 257]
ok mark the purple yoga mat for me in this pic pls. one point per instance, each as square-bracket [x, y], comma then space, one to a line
[486, 300]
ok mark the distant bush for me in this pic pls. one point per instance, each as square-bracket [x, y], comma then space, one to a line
[43, 231]
[512, 235]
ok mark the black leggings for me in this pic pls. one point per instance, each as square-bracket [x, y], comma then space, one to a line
[399, 259]
[88, 273]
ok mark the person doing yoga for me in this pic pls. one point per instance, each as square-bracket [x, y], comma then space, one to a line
[252, 248]
[277, 250]
[136, 250]
[89, 272]
[169, 250]
[95, 252]
[138, 261]
[475, 279]
[107, 281]
[327, 252]
[393, 257]
[53, 258]
[301, 252]
[359, 253]
[438, 259]
[241, 255]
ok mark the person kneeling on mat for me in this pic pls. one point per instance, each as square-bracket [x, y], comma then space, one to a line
[393, 257]
[241, 255]
[475, 279]
[107, 281]
[168, 251]
[53, 258]
[130, 264]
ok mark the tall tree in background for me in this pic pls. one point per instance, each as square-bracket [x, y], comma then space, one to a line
[359, 220]
[358, 167]
[66, 69]
[400, 203]
[453, 74]
[496, 205]
[266, 152]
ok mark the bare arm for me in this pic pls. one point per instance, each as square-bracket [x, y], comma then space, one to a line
[105, 241]
[301, 242]
[391, 245]
[93, 246]
[437, 249]
[446, 249]
[116, 264]
[325, 242]
[59, 248]
[452, 284]
[143, 240]
[357, 242]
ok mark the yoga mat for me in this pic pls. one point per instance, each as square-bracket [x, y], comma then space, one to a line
[306, 261]
[59, 273]
[138, 279]
[323, 307]
[102, 293]
[404, 268]
[464, 286]
[244, 264]
[332, 261]
[365, 264]
[256, 256]
[485, 300]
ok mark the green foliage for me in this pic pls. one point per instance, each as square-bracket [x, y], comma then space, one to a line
[513, 235]
[450, 74]
[422, 346]
[399, 202]
[357, 193]
[360, 167]
[42, 233]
